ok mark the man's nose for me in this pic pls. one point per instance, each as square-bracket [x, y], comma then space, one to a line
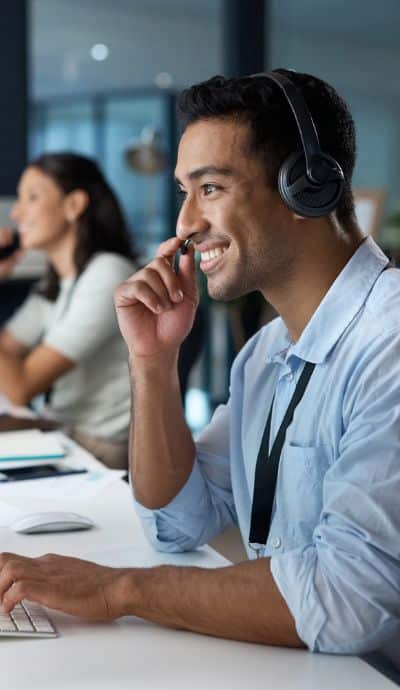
[191, 220]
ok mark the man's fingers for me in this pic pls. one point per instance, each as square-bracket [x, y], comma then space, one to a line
[22, 589]
[138, 292]
[169, 279]
[169, 247]
[156, 286]
[11, 568]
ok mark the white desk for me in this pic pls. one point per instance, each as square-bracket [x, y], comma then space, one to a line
[131, 653]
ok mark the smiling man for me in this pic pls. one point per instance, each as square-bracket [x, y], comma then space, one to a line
[305, 455]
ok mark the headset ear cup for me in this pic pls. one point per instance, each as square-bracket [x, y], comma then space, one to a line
[304, 197]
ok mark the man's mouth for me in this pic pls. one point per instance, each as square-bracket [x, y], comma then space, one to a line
[211, 257]
[212, 253]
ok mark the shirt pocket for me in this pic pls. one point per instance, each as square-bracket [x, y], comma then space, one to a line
[300, 487]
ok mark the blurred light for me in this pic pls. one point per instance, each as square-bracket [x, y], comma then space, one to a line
[99, 52]
[163, 80]
[197, 409]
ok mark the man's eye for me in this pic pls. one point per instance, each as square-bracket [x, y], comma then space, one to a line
[181, 195]
[209, 188]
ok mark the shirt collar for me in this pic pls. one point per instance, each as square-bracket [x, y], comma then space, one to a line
[342, 302]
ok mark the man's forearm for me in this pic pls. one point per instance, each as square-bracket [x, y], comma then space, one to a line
[161, 449]
[241, 602]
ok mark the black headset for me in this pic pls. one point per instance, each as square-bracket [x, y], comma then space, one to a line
[310, 181]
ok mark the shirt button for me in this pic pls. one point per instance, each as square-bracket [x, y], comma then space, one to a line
[289, 376]
[276, 543]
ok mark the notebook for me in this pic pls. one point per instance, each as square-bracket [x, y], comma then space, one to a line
[30, 446]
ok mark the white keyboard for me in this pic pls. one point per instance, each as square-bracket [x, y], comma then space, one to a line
[26, 620]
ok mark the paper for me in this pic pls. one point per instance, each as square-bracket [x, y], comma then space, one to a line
[27, 447]
[8, 514]
[80, 486]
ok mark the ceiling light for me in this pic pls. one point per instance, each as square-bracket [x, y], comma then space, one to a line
[99, 52]
[163, 80]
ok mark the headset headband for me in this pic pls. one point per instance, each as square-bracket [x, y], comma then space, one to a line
[302, 115]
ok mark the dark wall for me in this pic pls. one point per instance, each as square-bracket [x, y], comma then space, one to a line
[13, 80]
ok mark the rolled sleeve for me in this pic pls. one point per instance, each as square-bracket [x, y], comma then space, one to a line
[176, 526]
[204, 506]
[293, 573]
[339, 602]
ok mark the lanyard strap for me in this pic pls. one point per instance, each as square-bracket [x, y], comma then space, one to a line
[268, 464]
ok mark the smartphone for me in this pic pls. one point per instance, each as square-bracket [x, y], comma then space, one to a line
[9, 249]
[37, 472]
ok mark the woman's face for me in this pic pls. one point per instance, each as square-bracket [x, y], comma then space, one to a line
[41, 211]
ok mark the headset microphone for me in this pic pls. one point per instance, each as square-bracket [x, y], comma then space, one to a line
[310, 181]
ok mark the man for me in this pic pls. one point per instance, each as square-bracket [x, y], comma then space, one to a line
[329, 575]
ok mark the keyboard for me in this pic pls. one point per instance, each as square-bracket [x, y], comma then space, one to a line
[26, 620]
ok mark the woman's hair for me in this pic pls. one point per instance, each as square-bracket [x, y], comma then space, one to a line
[101, 226]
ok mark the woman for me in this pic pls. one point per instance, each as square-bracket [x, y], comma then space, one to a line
[64, 341]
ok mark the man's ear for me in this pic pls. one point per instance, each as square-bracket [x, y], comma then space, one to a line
[76, 203]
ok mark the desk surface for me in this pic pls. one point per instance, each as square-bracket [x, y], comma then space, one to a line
[132, 653]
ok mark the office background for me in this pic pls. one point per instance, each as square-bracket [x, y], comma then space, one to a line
[101, 78]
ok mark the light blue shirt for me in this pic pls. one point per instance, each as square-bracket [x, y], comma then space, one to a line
[334, 541]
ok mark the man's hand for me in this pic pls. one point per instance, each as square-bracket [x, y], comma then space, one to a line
[71, 585]
[156, 307]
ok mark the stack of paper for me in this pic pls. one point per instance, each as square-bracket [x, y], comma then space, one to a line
[81, 486]
[31, 446]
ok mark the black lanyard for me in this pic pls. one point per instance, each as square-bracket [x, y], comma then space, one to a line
[267, 467]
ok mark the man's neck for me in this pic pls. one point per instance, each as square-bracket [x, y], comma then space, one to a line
[300, 292]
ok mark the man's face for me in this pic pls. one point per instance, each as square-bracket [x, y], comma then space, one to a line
[235, 220]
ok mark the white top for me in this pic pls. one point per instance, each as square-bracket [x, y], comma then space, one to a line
[94, 397]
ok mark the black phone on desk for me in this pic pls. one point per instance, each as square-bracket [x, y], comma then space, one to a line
[37, 472]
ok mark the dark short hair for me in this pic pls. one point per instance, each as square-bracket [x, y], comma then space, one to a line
[101, 226]
[274, 133]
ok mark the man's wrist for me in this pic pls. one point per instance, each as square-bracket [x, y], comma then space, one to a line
[124, 595]
[155, 369]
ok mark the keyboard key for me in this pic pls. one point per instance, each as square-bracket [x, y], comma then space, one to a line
[26, 619]
[7, 624]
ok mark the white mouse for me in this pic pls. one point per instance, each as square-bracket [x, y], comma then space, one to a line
[34, 523]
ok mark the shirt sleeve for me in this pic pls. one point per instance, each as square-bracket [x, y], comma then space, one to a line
[90, 318]
[28, 323]
[343, 589]
[204, 506]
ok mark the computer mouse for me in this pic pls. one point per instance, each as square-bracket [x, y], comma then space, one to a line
[36, 523]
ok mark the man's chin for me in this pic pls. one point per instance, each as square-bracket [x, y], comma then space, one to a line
[223, 293]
